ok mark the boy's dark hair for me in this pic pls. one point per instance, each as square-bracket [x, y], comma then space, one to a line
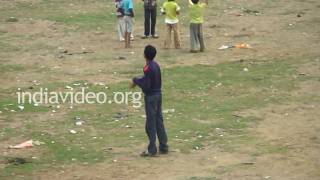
[150, 52]
[195, 1]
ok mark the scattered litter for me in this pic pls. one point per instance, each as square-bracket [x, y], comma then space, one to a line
[77, 84]
[0, 112]
[267, 177]
[200, 136]
[114, 160]
[245, 69]
[79, 123]
[73, 131]
[248, 163]
[67, 52]
[12, 110]
[12, 19]
[122, 58]
[131, 136]
[250, 11]
[243, 46]
[38, 143]
[219, 84]
[127, 126]
[213, 26]
[26, 144]
[17, 161]
[35, 105]
[225, 47]
[69, 87]
[239, 46]
[120, 115]
[143, 116]
[168, 111]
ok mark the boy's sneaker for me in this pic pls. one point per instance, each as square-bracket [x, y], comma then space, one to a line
[194, 51]
[155, 36]
[144, 37]
[147, 154]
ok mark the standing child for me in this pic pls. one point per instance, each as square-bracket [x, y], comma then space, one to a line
[120, 15]
[127, 7]
[150, 19]
[150, 84]
[171, 9]
[196, 21]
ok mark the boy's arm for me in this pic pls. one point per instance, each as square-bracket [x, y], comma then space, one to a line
[163, 11]
[131, 9]
[144, 82]
[190, 2]
[131, 12]
[178, 10]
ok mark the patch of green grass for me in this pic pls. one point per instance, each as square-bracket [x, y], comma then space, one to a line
[205, 98]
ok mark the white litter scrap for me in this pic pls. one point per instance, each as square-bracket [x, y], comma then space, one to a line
[73, 131]
[69, 87]
[168, 111]
[79, 123]
[21, 107]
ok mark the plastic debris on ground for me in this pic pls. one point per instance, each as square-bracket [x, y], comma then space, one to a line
[73, 131]
[239, 46]
[26, 144]
[168, 111]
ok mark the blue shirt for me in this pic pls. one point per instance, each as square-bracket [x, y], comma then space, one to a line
[126, 6]
[150, 82]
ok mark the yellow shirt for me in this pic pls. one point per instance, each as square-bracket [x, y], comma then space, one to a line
[197, 13]
[171, 8]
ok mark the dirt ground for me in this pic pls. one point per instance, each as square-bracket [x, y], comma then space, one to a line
[277, 32]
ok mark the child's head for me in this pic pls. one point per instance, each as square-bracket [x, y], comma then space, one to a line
[150, 52]
[195, 1]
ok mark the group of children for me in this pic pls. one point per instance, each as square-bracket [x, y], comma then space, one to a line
[171, 10]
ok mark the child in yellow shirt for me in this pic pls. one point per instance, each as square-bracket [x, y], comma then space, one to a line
[171, 9]
[196, 21]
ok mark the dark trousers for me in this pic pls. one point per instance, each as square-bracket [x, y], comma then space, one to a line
[154, 123]
[150, 20]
